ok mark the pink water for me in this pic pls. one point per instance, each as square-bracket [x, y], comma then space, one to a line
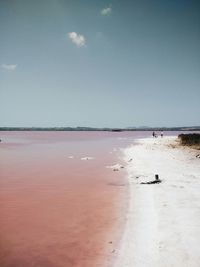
[57, 210]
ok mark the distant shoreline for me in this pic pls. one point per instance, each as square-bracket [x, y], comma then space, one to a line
[193, 128]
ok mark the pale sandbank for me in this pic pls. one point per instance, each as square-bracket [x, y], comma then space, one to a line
[163, 220]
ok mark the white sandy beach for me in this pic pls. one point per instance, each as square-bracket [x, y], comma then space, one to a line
[163, 220]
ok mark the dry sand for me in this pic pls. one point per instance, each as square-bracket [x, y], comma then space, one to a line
[163, 220]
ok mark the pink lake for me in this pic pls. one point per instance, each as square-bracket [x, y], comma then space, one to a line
[56, 209]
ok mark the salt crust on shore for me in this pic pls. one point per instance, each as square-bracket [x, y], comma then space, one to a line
[163, 220]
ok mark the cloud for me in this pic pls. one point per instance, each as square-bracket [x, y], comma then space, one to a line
[77, 39]
[106, 11]
[11, 67]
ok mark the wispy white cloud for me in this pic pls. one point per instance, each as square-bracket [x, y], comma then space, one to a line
[106, 11]
[77, 39]
[11, 67]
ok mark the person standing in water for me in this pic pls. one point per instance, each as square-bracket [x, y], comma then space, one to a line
[154, 134]
[161, 134]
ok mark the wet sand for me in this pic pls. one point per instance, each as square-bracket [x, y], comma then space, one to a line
[57, 210]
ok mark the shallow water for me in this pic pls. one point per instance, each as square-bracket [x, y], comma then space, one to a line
[56, 209]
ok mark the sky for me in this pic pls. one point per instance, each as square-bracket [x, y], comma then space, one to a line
[99, 63]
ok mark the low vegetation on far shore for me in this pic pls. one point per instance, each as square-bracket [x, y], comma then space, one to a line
[190, 140]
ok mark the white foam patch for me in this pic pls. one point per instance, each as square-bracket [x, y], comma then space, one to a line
[87, 158]
[115, 166]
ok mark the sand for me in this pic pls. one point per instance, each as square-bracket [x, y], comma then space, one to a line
[163, 220]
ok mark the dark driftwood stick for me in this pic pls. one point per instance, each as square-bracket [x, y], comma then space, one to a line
[156, 181]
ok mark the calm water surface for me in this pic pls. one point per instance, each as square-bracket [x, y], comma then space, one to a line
[57, 210]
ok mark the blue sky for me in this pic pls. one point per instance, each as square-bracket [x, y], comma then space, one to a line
[99, 63]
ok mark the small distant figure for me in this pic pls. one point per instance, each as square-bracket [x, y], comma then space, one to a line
[154, 134]
[161, 134]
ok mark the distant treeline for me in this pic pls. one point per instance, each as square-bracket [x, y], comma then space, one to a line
[190, 139]
[195, 128]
